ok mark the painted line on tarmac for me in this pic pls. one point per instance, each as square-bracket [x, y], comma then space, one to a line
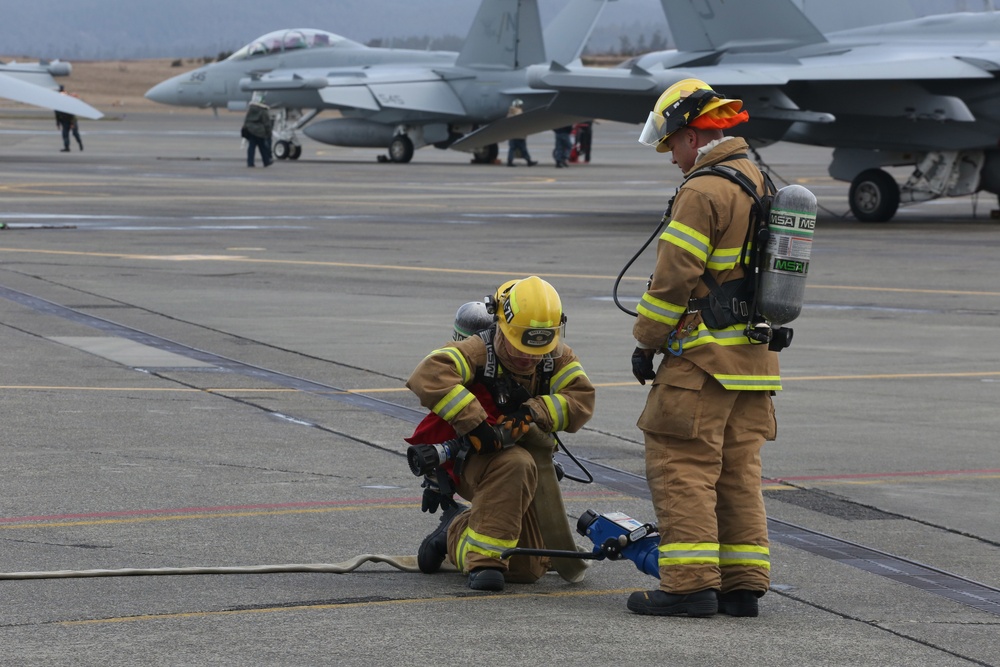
[223, 363]
[917, 575]
[430, 269]
[275, 509]
[354, 604]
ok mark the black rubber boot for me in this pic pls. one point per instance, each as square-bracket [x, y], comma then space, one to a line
[486, 579]
[659, 603]
[739, 603]
[434, 548]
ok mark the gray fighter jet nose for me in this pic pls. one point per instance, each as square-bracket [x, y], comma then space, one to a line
[165, 92]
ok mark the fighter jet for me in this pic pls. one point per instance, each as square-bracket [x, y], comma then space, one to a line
[396, 99]
[922, 93]
[32, 83]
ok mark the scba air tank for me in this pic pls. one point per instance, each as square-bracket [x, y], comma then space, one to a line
[787, 254]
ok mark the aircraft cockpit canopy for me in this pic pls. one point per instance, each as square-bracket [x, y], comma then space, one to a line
[281, 41]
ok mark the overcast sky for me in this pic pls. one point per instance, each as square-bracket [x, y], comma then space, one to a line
[108, 29]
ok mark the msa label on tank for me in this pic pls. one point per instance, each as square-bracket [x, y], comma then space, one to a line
[786, 265]
[789, 245]
[803, 223]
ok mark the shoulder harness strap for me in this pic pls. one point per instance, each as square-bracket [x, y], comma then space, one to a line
[758, 212]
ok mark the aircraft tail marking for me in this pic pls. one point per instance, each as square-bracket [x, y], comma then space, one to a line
[505, 34]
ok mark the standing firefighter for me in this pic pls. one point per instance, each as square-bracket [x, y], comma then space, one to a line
[506, 389]
[709, 410]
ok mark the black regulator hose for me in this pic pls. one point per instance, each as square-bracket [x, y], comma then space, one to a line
[628, 265]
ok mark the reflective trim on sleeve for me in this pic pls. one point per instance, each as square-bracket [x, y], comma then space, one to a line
[558, 408]
[461, 365]
[749, 382]
[659, 310]
[565, 376]
[744, 554]
[723, 259]
[688, 239]
[491, 547]
[689, 553]
[453, 403]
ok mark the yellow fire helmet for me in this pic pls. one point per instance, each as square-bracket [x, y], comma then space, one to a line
[529, 313]
[689, 102]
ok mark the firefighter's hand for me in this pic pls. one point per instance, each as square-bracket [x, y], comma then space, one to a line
[642, 365]
[433, 497]
[516, 423]
[485, 439]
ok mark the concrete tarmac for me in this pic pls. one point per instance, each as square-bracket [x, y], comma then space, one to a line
[203, 365]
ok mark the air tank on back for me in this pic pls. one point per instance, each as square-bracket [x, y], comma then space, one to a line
[787, 254]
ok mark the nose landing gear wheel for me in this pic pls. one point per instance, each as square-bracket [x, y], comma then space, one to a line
[281, 150]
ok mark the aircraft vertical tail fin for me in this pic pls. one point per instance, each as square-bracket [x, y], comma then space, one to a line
[569, 31]
[505, 34]
[847, 14]
[727, 25]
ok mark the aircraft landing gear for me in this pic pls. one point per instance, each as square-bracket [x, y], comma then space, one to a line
[286, 150]
[400, 149]
[486, 154]
[285, 138]
[874, 196]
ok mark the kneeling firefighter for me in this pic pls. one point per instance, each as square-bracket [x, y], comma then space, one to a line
[496, 397]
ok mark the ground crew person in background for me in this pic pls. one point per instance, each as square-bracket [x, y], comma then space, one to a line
[517, 147]
[257, 127]
[516, 381]
[67, 123]
[709, 410]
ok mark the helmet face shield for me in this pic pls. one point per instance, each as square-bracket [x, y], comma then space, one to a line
[535, 342]
[654, 131]
[518, 361]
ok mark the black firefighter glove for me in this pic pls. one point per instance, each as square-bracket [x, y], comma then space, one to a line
[516, 424]
[434, 496]
[485, 439]
[642, 365]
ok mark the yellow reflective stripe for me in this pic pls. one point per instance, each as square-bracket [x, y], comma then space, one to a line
[689, 553]
[724, 258]
[744, 554]
[659, 310]
[688, 239]
[566, 375]
[750, 382]
[558, 408]
[490, 547]
[461, 365]
[453, 403]
[727, 337]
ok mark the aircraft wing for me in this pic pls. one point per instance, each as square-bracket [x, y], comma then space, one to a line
[28, 93]
[594, 92]
[522, 125]
[419, 89]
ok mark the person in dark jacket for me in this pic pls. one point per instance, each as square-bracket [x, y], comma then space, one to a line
[67, 123]
[257, 127]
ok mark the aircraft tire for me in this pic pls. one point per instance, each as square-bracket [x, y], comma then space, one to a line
[874, 196]
[281, 150]
[401, 149]
[486, 154]
[296, 152]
